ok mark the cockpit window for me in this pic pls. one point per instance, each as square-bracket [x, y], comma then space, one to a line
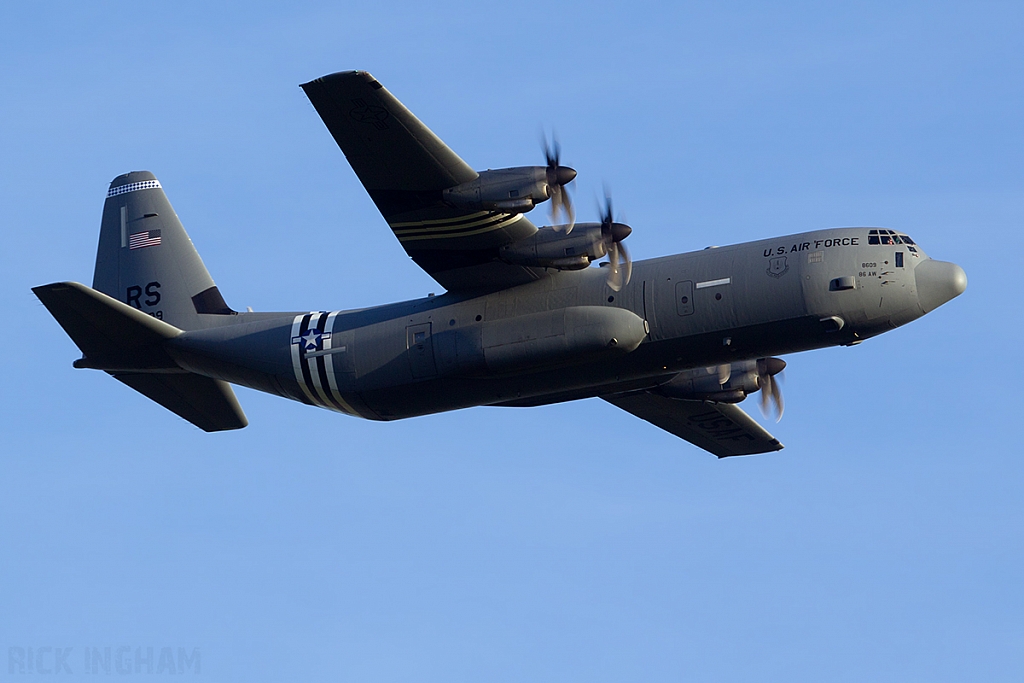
[890, 237]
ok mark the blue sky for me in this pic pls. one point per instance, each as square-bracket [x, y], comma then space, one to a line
[572, 542]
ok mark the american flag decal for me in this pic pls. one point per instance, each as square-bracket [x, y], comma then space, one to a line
[146, 238]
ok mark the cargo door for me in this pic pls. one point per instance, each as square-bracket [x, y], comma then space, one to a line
[421, 351]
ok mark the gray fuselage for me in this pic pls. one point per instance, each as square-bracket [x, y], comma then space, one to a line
[569, 336]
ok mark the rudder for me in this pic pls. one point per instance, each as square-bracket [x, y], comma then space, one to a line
[146, 259]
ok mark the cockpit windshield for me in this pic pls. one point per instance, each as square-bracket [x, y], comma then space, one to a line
[881, 236]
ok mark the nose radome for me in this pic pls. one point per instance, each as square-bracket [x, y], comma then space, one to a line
[938, 282]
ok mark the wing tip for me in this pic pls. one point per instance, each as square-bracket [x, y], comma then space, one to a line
[773, 446]
[340, 76]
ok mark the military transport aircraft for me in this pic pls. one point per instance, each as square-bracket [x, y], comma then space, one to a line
[677, 341]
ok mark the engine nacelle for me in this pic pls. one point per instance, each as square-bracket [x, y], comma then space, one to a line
[549, 248]
[513, 190]
[706, 384]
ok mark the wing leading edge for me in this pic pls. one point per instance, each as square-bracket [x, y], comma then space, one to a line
[404, 168]
[722, 429]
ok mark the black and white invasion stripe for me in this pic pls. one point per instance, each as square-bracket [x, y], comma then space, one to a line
[315, 373]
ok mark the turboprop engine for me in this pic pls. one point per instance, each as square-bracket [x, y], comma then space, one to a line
[552, 247]
[519, 189]
[513, 190]
[558, 247]
[729, 383]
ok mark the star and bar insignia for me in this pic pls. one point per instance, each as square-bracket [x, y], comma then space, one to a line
[312, 340]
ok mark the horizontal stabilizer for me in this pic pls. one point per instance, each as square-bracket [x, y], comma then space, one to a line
[128, 344]
[722, 429]
[209, 404]
[106, 329]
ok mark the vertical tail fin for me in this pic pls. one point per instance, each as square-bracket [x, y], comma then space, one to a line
[146, 259]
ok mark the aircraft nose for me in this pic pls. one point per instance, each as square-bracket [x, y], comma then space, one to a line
[938, 282]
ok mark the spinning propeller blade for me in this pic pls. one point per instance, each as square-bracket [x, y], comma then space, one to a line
[612, 234]
[771, 391]
[558, 177]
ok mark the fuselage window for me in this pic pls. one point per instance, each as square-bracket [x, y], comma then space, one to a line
[899, 259]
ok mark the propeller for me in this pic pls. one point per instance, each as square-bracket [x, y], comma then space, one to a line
[771, 392]
[558, 177]
[612, 234]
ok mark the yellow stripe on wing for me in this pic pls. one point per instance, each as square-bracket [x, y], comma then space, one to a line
[444, 221]
[451, 226]
[451, 235]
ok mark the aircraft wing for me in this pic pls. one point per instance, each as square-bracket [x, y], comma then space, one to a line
[404, 168]
[722, 429]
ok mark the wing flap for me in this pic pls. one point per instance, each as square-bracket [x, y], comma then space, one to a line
[722, 429]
